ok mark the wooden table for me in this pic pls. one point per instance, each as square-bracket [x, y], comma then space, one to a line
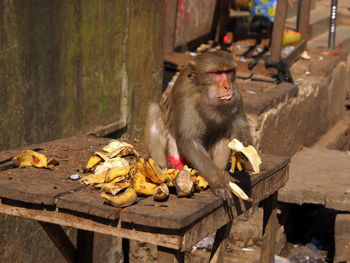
[49, 197]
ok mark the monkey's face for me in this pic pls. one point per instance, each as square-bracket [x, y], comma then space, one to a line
[222, 85]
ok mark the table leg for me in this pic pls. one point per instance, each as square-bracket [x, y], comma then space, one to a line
[217, 253]
[169, 255]
[269, 229]
[60, 239]
[126, 249]
[85, 241]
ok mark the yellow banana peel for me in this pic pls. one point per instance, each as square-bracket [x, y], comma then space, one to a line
[31, 158]
[250, 152]
[170, 175]
[118, 148]
[113, 188]
[199, 183]
[151, 170]
[141, 186]
[111, 163]
[237, 191]
[116, 172]
[161, 192]
[93, 161]
[126, 198]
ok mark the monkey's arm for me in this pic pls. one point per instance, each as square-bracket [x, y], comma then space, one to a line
[199, 159]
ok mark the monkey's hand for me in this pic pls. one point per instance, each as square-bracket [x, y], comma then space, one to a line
[221, 187]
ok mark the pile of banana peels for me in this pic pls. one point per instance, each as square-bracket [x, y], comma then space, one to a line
[121, 181]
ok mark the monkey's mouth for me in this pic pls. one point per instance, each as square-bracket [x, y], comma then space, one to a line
[226, 97]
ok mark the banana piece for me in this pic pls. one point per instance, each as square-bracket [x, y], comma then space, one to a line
[111, 163]
[128, 197]
[152, 171]
[141, 186]
[93, 161]
[170, 175]
[184, 183]
[161, 192]
[199, 183]
[116, 172]
[237, 191]
[113, 188]
[30, 158]
[249, 151]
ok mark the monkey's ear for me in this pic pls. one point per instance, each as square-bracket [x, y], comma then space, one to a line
[192, 72]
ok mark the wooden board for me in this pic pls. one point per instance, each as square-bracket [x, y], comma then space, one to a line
[43, 186]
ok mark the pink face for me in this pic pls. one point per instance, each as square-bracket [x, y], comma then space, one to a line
[224, 86]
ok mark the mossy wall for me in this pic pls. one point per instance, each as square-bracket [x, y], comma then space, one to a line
[69, 67]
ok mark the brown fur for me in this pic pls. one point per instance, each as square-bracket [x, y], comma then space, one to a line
[198, 123]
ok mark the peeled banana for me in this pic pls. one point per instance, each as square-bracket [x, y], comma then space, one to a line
[237, 191]
[128, 197]
[161, 192]
[150, 169]
[249, 151]
[141, 186]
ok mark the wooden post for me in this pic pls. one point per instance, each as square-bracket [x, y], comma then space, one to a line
[269, 229]
[60, 239]
[85, 241]
[217, 252]
[303, 23]
[278, 29]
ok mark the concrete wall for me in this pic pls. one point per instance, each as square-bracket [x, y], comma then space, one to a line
[76, 66]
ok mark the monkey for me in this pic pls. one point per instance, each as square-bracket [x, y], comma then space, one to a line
[197, 117]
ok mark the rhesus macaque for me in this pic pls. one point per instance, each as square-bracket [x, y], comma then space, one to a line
[197, 118]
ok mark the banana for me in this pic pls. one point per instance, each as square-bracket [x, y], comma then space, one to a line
[141, 186]
[113, 188]
[152, 171]
[116, 172]
[31, 158]
[161, 192]
[128, 197]
[237, 191]
[183, 183]
[93, 161]
[199, 183]
[170, 175]
[250, 152]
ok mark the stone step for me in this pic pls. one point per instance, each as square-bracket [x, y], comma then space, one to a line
[318, 176]
[342, 39]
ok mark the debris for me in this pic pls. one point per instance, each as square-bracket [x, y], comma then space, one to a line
[251, 91]
[308, 73]
[74, 177]
[305, 55]
[347, 191]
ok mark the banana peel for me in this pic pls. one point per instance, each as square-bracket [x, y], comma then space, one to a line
[184, 183]
[199, 183]
[250, 152]
[113, 188]
[118, 148]
[161, 192]
[126, 198]
[150, 169]
[141, 186]
[32, 158]
[237, 191]
[170, 175]
[111, 163]
[116, 172]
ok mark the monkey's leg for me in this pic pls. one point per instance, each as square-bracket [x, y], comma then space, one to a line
[156, 135]
[220, 153]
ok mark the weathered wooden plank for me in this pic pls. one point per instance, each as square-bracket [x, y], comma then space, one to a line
[88, 201]
[278, 29]
[64, 219]
[269, 229]
[218, 250]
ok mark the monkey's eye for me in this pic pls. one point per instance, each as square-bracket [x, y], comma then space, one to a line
[214, 73]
